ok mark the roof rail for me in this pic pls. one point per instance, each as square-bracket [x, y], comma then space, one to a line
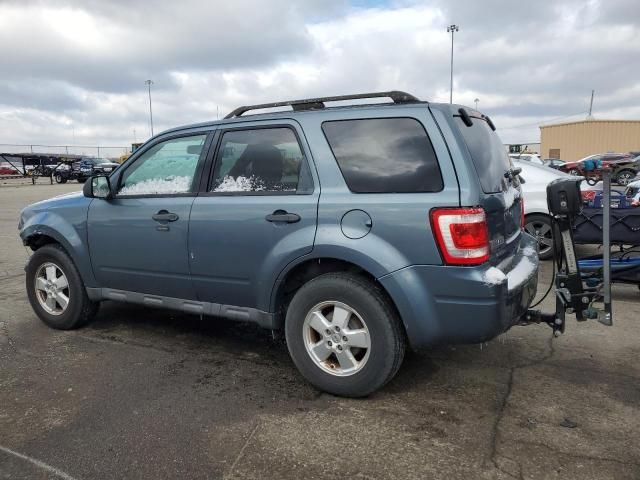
[318, 103]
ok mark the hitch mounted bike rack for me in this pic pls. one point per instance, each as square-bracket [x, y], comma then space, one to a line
[575, 293]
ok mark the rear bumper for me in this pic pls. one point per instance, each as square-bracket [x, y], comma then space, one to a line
[448, 305]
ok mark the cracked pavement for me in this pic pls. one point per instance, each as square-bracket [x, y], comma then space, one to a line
[144, 393]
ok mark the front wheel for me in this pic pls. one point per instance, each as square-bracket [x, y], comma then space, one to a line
[539, 226]
[344, 335]
[56, 291]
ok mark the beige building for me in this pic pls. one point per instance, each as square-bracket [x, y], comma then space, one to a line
[575, 140]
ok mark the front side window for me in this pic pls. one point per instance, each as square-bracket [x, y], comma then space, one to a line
[384, 155]
[166, 168]
[260, 160]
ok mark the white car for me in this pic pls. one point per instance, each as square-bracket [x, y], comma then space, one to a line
[527, 157]
[537, 221]
[632, 192]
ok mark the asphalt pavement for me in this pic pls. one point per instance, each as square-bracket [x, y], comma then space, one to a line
[150, 394]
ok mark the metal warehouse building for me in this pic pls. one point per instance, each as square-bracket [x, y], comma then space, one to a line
[575, 140]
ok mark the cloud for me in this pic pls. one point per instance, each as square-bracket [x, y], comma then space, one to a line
[84, 62]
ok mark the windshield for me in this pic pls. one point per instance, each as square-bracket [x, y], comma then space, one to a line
[487, 152]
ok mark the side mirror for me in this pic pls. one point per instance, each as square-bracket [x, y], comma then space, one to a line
[98, 186]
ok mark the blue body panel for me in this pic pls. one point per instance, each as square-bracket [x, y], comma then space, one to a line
[222, 252]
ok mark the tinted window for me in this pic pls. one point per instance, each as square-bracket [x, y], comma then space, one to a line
[487, 153]
[166, 168]
[261, 160]
[384, 155]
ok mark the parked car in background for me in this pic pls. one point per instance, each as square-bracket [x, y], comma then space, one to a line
[527, 157]
[632, 192]
[358, 230]
[554, 163]
[8, 170]
[82, 169]
[537, 221]
[622, 167]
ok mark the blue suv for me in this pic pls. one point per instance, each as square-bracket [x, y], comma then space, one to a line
[357, 229]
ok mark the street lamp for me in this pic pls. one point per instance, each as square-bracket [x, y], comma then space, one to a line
[148, 83]
[451, 28]
[477, 100]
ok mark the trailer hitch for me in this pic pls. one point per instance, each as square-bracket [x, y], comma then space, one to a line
[575, 293]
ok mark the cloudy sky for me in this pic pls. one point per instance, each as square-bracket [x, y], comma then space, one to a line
[73, 71]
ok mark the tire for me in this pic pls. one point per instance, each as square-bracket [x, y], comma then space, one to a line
[79, 310]
[624, 177]
[371, 317]
[60, 179]
[82, 180]
[539, 226]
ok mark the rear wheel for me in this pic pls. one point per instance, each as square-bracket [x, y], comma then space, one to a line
[624, 177]
[56, 291]
[539, 226]
[60, 179]
[344, 335]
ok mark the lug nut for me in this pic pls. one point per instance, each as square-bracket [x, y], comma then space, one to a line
[340, 347]
[345, 339]
[329, 343]
[337, 328]
[327, 331]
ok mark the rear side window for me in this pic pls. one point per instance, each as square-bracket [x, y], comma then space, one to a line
[487, 153]
[384, 155]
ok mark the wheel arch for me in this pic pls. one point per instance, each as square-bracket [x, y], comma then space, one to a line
[306, 269]
[37, 235]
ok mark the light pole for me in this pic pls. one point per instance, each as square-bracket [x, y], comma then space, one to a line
[477, 100]
[148, 83]
[451, 28]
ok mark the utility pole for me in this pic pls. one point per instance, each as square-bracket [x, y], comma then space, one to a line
[451, 28]
[591, 103]
[148, 83]
[477, 100]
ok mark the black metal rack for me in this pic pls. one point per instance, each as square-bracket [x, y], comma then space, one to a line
[398, 97]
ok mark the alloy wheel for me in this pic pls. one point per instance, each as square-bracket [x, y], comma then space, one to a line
[336, 338]
[542, 232]
[52, 288]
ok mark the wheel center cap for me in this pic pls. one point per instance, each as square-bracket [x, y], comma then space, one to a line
[336, 338]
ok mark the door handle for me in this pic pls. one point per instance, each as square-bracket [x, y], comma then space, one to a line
[165, 216]
[282, 216]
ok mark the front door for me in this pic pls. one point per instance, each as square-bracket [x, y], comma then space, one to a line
[138, 240]
[258, 214]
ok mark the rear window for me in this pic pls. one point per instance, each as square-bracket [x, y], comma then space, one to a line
[384, 155]
[487, 153]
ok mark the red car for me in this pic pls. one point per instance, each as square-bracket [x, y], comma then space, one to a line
[624, 170]
[8, 171]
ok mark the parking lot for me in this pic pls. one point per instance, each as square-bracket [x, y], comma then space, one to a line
[144, 393]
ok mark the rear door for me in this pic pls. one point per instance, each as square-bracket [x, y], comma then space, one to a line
[258, 213]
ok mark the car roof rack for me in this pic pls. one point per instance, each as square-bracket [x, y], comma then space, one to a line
[318, 103]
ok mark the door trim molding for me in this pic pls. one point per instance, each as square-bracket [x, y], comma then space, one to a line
[231, 312]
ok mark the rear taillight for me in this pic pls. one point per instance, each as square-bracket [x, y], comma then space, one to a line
[461, 234]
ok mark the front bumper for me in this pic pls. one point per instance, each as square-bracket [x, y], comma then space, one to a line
[447, 305]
